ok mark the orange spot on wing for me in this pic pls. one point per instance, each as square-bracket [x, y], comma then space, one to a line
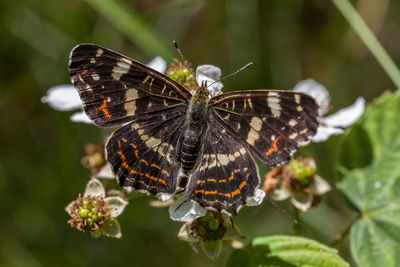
[165, 172]
[144, 161]
[211, 180]
[132, 171]
[232, 174]
[104, 109]
[234, 193]
[274, 147]
[210, 192]
[199, 191]
[226, 195]
[155, 166]
[222, 181]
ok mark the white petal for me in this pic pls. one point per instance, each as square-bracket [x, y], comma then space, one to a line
[80, 117]
[68, 208]
[317, 91]
[280, 194]
[346, 116]
[320, 186]
[186, 210]
[184, 233]
[158, 64]
[212, 249]
[165, 196]
[111, 228]
[106, 172]
[62, 97]
[95, 188]
[302, 201]
[324, 132]
[116, 205]
[256, 199]
[212, 75]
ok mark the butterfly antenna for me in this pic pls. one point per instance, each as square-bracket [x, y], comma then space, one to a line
[183, 59]
[233, 73]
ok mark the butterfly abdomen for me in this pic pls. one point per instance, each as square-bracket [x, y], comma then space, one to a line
[195, 124]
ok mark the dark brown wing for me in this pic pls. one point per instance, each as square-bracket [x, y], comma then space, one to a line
[115, 88]
[271, 123]
[143, 155]
[226, 173]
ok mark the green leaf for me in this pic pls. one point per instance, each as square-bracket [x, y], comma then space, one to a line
[374, 189]
[130, 24]
[285, 251]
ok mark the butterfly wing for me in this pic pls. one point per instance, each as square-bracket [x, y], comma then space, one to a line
[143, 155]
[272, 123]
[226, 173]
[116, 89]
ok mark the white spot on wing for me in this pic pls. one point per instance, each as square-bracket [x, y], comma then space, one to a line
[256, 123]
[292, 122]
[223, 159]
[95, 76]
[273, 104]
[99, 52]
[297, 98]
[122, 67]
[252, 137]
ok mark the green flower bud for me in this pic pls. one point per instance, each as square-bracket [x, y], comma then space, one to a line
[83, 212]
[213, 224]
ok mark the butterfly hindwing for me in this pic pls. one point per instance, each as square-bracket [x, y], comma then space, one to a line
[143, 153]
[272, 123]
[225, 174]
[115, 89]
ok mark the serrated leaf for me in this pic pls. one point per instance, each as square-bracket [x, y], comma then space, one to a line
[374, 189]
[287, 251]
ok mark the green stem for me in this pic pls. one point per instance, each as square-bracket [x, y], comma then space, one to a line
[132, 26]
[296, 222]
[369, 39]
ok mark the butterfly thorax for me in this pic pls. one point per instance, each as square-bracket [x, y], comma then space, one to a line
[196, 121]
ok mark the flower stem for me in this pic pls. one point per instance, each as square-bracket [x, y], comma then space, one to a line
[296, 222]
[369, 39]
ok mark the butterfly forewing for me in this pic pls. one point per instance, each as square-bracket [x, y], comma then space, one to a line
[116, 89]
[271, 123]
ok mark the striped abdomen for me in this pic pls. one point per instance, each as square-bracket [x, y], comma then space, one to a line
[189, 149]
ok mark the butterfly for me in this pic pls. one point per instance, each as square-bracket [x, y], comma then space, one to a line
[173, 138]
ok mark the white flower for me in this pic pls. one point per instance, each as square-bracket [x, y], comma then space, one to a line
[86, 208]
[116, 205]
[335, 123]
[302, 200]
[212, 76]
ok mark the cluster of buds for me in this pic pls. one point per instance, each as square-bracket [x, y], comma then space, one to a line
[88, 213]
[95, 212]
[209, 233]
[298, 181]
[181, 73]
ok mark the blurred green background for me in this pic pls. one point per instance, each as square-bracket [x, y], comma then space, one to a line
[40, 171]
